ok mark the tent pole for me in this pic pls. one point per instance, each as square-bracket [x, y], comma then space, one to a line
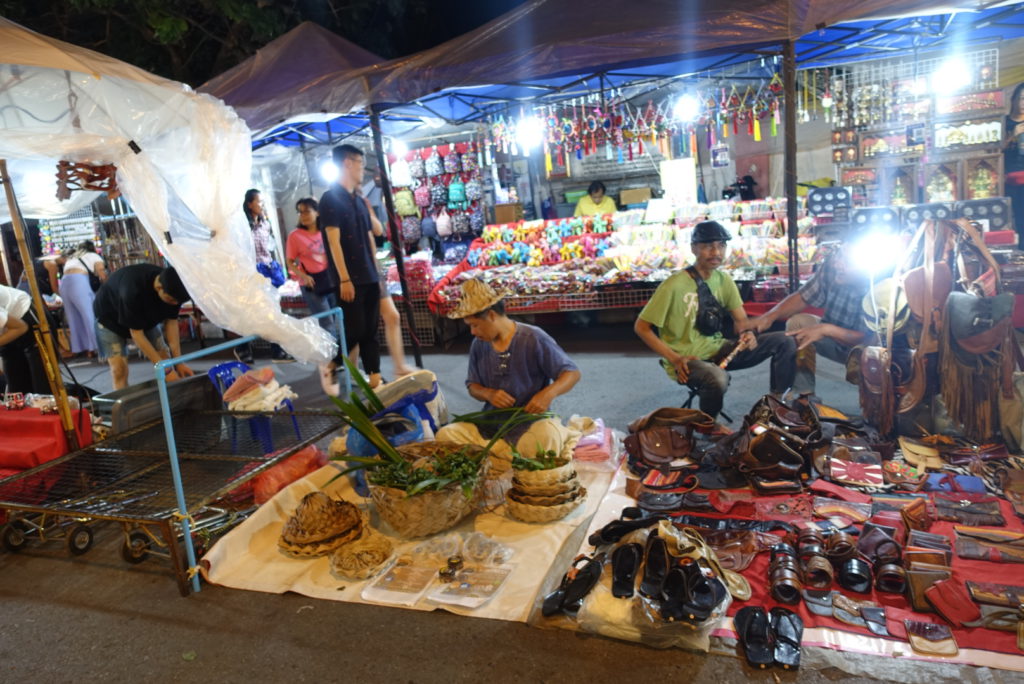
[44, 336]
[393, 229]
[789, 187]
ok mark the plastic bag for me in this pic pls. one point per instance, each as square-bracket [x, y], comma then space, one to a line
[298, 465]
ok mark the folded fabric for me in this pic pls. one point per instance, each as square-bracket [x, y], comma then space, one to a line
[592, 430]
[588, 450]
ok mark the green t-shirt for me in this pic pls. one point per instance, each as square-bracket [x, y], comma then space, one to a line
[673, 311]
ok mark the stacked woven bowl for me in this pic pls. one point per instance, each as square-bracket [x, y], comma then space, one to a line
[543, 490]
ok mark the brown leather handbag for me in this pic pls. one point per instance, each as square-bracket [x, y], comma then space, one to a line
[658, 446]
[876, 389]
[978, 543]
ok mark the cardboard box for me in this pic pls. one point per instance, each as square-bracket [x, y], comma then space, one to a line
[508, 213]
[634, 196]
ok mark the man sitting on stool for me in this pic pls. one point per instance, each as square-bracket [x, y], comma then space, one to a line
[840, 291]
[691, 351]
[511, 365]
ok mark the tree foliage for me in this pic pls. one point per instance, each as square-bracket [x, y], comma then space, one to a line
[194, 40]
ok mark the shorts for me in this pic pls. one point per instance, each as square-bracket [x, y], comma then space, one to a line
[113, 345]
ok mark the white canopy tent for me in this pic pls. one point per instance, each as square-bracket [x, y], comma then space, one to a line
[183, 163]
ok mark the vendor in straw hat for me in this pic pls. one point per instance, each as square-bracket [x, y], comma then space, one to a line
[511, 365]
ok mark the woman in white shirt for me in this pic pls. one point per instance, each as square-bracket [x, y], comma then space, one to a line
[78, 296]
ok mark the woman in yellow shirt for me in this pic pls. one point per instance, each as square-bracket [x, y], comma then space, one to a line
[595, 202]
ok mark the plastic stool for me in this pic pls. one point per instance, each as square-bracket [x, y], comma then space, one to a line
[223, 376]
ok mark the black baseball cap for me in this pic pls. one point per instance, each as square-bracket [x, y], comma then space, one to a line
[709, 231]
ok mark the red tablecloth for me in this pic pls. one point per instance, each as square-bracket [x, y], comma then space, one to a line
[30, 438]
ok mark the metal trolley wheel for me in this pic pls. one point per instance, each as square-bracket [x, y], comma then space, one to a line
[15, 536]
[136, 547]
[79, 539]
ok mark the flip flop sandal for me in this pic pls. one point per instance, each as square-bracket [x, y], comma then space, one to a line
[689, 543]
[613, 532]
[575, 586]
[875, 619]
[673, 595]
[753, 629]
[819, 602]
[656, 566]
[625, 563]
[701, 595]
[787, 631]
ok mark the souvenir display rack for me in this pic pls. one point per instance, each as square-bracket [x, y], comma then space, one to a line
[899, 144]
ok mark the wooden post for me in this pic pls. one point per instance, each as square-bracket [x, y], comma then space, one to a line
[789, 163]
[44, 336]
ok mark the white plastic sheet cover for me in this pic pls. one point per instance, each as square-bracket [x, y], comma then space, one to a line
[186, 183]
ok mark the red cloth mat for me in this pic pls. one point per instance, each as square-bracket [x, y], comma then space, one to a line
[31, 438]
[963, 570]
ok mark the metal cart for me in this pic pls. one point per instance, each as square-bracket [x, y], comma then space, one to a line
[136, 478]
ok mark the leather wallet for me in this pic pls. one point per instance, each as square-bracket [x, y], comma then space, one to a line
[878, 545]
[917, 515]
[996, 594]
[930, 556]
[950, 599]
[920, 576]
[930, 638]
[979, 543]
[969, 509]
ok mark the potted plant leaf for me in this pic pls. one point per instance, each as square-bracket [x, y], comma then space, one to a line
[419, 488]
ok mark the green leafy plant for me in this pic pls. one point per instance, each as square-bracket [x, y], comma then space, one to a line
[543, 460]
[390, 469]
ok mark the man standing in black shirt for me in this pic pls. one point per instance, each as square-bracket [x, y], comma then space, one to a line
[346, 224]
[133, 303]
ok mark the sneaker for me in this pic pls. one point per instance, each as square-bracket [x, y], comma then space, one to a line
[281, 356]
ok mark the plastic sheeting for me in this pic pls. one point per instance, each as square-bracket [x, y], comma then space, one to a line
[185, 183]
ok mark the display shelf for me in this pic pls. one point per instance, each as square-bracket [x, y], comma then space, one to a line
[624, 298]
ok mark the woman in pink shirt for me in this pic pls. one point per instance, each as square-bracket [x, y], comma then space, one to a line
[307, 262]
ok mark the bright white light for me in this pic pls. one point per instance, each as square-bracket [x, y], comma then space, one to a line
[687, 108]
[328, 171]
[876, 252]
[950, 76]
[529, 133]
[399, 148]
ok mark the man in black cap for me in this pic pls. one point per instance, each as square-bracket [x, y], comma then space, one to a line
[133, 303]
[694, 312]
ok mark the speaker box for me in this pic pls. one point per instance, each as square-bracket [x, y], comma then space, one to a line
[825, 201]
[992, 213]
[914, 214]
[880, 218]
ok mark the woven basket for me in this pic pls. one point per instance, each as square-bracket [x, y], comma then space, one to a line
[427, 512]
[543, 514]
[542, 478]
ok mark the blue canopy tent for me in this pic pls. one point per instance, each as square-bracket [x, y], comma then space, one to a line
[551, 50]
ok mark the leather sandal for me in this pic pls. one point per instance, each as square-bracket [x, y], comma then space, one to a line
[787, 632]
[656, 566]
[613, 532]
[575, 586]
[753, 629]
[625, 563]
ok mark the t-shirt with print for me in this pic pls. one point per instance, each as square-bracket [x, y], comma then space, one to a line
[308, 248]
[128, 301]
[341, 208]
[673, 311]
[13, 304]
[532, 361]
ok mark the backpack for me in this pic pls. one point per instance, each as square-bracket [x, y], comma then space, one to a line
[422, 195]
[405, 205]
[416, 167]
[457, 194]
[428, 227]
[452, 163]
[469, 161]
[444, 223]
[434, 166]
[439, 193]
[476, 221]
[400, 176]
[460, 223]
[474, 190]
[411, 229]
